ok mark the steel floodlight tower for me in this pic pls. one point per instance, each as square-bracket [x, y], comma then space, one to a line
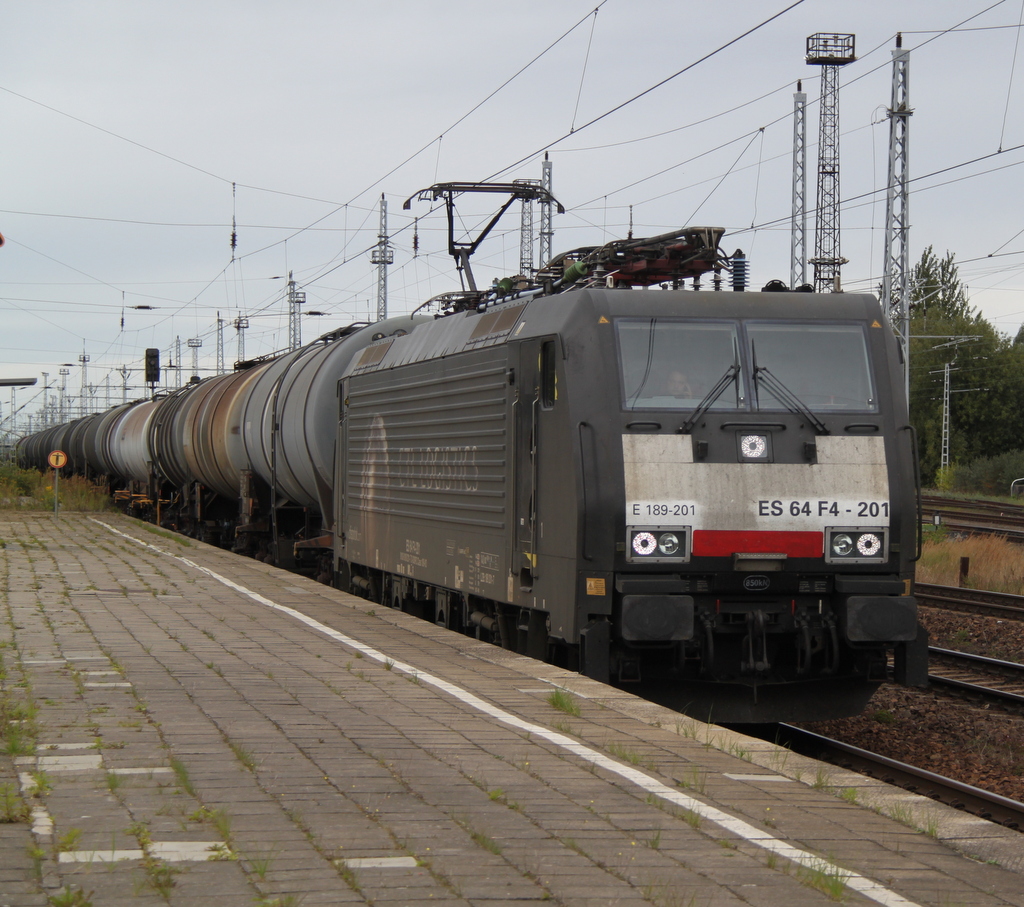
[547, 231]
[830, 52]
[896, 276]
[798, 225]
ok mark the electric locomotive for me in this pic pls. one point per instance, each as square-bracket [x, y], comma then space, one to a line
[711, 494]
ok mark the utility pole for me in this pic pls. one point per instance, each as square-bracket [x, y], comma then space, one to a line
[382, 256]
[896, 276]
[830, 52]
[296, 299]
[798, 223]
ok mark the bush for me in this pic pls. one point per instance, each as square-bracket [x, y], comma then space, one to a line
[989, 475]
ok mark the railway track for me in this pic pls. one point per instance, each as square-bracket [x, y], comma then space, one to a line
[978, 802]
[974, 517]
[959, 672]
[972, 601]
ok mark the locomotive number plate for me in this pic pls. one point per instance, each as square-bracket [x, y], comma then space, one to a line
[871, 510]
[645, 510]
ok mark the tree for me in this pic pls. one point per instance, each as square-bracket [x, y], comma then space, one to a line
[986, 371]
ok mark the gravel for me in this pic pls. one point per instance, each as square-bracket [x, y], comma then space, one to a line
[975, 745]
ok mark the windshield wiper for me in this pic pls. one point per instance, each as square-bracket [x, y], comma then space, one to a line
[788, 399]
[709, 399]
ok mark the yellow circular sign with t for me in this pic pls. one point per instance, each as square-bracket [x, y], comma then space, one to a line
[57, 458]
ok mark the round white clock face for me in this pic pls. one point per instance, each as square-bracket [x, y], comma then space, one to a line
[753, 446]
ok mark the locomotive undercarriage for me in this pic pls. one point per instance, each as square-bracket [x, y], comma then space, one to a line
[752, 644]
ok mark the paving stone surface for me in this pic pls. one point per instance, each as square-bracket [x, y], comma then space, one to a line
[183, 726]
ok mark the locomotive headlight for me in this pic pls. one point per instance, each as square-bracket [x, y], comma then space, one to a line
[842, 544]
[856, 545]
[656, 543]
[668, 544]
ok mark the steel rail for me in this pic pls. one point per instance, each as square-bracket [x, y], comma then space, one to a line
[978, 802]
[977, 601]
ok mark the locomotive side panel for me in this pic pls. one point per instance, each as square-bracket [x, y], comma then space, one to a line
[426, 473]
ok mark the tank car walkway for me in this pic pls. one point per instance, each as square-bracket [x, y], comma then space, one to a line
[188, 727]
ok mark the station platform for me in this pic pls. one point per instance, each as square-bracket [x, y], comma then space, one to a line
[184, 726]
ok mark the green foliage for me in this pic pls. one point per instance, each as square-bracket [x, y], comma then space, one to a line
[989, 475]
[986, 374]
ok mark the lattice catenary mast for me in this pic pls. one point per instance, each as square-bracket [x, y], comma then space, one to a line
[296, 299]
[382, 256]
[829, 51]
[896, 277]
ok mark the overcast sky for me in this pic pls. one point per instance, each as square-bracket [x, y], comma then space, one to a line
[136, 131]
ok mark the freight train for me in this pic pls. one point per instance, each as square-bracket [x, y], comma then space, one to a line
[709, 494]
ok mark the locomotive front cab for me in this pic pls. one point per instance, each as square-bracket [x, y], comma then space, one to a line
[769, 519]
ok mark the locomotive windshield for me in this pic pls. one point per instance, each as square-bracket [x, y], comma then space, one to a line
[824, 365]
[673, 364]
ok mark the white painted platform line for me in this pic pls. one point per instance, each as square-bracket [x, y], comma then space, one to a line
[98, 856]
[758, 778]
[185, 851]
[62, 763]
[379, 863]
[67, 746]
[739, 827]
[169, 851]
[97, 685]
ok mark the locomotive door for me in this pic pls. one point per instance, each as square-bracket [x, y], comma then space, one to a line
[534, 401]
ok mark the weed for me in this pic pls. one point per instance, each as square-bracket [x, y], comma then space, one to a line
[12, 807]
[883, 716]
[822, 778]
[564, 701]
[181, 773]
[69, 840]
[825, 877]
[71, 897]
[243, 756]
[696, 779]
[261, 862]
[849, 794]
[42, 784]
[626, 754]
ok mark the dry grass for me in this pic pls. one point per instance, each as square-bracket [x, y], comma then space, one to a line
[995, 564]
[28, 489]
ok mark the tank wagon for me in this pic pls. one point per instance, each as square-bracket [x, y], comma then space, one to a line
[711, 494]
